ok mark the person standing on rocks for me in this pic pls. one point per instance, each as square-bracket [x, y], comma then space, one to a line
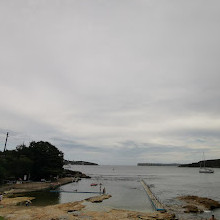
[100, 188]
[104, 190]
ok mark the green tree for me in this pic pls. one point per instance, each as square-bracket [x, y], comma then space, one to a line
[3, 168]
[47, 159]
[14, 165]
[39, 160]
[2, 173]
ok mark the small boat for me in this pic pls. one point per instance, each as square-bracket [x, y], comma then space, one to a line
[206, 170]
[203, 168]
[93, 184]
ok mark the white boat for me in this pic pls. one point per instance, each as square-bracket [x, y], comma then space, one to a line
[203, 168]
[206, 170]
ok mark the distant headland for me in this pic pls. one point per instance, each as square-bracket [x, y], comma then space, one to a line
[158, 164]
[209, 163]
[67, 162]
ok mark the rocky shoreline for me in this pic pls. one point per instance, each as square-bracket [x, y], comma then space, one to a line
[191, 206]
[23, 187]
[33, 186]
[12, 207]
[197, 204]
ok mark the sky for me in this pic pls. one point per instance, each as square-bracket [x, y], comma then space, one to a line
[112, 81]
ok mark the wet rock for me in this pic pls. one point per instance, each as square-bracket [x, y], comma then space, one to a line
[16, 200]
[98, 199]
[152, 216]
[71, 173]
[191, 209]
[206, 203]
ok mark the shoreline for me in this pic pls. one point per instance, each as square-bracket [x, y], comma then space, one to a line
[13, 207]
[34, 186]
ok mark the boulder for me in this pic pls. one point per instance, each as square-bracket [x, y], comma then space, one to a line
[191, 209]
[98, 199]
[206, 203]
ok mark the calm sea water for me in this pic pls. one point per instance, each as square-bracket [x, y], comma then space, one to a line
[123, 183]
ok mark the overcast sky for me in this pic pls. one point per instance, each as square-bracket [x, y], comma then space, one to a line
[112, 81]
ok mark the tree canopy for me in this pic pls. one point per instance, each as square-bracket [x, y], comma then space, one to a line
[38, 160]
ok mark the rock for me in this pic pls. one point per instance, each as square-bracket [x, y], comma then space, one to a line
[206, 203]
[151, 216]
[16, 200]
[98, 199]
[191, 209]
[71, 173]
[85, 176]
[67, 212]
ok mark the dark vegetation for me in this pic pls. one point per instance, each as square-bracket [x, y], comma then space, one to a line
[208, 163]
[39, 160]
[71, 173]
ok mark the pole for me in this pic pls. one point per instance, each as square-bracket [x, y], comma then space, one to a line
[6, 142]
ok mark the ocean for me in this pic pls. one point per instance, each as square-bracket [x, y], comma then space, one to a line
[123, 183]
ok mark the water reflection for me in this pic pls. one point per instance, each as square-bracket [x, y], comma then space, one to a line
[44, 198]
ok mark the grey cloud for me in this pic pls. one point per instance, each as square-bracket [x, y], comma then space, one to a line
[74, 146]
[195, 133]
[135, 148]
[99, 73]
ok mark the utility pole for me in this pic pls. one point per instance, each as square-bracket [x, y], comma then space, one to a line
[6, 142]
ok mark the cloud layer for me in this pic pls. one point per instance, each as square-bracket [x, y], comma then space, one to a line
[114, 82]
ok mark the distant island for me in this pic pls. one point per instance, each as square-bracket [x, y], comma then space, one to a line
[158, 164]
[208, 163]
[67, 162]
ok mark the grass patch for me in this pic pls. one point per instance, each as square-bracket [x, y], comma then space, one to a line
[1, 218]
